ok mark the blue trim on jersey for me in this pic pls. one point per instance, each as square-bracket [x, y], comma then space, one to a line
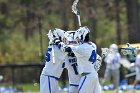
[49, 49]
[90, 43]
[49, 83]
[74, 85]
[52, 76]
[82, 84]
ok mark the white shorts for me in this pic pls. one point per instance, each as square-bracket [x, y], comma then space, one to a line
[137, 76]
[89, 84]
[48, 84]
[73, 89]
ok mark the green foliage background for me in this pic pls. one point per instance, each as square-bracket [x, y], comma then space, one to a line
[19, 33]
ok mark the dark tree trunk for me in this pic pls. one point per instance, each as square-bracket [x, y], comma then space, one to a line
[92, 19]
[26, 27]
[64, 15]
[75, 22]
[41, 54]
[117, 19]
[133, 21]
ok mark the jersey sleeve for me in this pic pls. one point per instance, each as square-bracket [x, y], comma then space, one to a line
[77, 50]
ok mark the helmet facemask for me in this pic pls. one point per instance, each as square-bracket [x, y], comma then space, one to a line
[82, 32]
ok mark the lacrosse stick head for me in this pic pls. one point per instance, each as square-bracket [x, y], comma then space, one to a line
[50, 36]
[75, 8]
[105, 52]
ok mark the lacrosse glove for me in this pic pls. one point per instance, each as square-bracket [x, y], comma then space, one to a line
[98, 63]
[56, 41]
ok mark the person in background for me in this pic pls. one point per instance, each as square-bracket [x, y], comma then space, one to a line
[137, 65]
[112, 66]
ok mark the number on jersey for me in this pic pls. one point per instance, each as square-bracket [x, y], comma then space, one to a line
[48, 54]
[73, 63]
[93, 57]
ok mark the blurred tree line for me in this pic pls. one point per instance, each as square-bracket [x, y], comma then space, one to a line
[25, 23]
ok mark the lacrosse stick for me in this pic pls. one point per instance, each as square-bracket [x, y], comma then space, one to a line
[130, 75]
[51, 37]
[105, 52]
[98, 63]
[53, 57]
[76, 11]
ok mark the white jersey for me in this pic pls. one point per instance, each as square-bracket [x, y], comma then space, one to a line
[138, 63]
[113, 60]
[54, 69]
[71, 65]
[85, 57]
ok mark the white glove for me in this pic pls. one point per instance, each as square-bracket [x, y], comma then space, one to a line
[98, 63]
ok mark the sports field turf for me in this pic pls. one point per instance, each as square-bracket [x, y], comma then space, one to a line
[114, 92]
[34, 88]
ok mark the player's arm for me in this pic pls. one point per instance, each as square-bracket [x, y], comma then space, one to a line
[79, 51]
[62, 46]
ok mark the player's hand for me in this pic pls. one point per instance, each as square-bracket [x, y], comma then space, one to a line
[98, 63]
[60, 45]
[56, 41]
[64, 47]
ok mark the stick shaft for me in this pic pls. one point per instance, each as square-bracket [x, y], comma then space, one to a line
[79, 21]
[53, 57]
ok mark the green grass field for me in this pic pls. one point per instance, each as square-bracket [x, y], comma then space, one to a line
[34, 88]
[114, 92]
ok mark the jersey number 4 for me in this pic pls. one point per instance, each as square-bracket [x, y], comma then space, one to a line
[93, 57]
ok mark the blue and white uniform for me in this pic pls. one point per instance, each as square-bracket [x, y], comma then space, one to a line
[86, 56]
[71, 65]
[74, 77]
[137, 62]
[52, 71]
[112, 68]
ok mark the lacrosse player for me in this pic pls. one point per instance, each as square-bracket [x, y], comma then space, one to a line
[86, 57]
[74, 77]
[71, 65]
[113, 64]
[54, 65]
[137, 64]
